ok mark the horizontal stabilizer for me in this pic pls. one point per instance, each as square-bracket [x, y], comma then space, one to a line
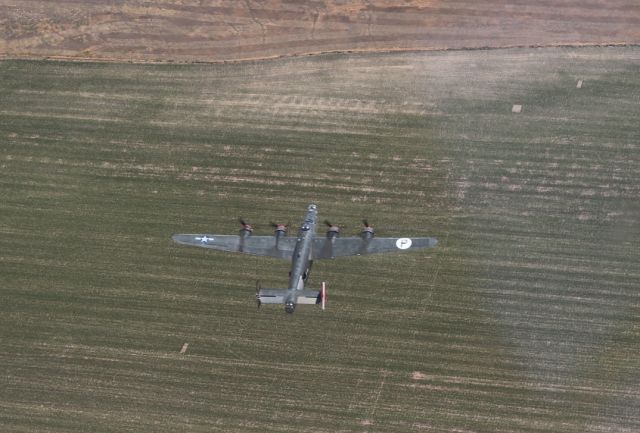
[279, 296]
[272, 296]
[309, 297]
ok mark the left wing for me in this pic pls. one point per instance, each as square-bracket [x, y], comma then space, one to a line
[326, 248]
[256, 245]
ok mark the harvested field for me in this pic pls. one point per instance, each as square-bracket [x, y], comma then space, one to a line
[525, 318]
[216, 30]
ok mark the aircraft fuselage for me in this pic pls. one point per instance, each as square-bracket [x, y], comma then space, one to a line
[301, 259]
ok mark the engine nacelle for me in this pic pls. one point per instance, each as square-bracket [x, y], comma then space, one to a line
[333, 232]
[246, 231]
[280, 231]
[367, 231]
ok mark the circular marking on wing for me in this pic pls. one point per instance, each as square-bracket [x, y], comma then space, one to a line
[403, 243]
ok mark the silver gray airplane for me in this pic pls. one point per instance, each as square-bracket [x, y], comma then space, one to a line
[302, 250]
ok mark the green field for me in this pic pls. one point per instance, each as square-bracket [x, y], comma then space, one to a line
[524, 318]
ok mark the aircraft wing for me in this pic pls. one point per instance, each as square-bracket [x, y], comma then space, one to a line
[256, 245]
[325, 248]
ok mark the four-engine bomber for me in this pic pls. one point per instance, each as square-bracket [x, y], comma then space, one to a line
[302, 250]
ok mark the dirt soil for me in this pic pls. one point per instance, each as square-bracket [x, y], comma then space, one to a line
[219, 30]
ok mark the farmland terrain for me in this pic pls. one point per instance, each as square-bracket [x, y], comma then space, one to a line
[217, 30]
[524, 318]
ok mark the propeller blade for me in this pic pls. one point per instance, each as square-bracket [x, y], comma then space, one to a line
[279, 227]
[338, 225]
[367, 231]
[245, 224]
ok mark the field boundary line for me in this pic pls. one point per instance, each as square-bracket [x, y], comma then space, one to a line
[81, 59]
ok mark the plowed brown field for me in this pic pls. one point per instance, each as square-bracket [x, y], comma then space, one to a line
[216, 30]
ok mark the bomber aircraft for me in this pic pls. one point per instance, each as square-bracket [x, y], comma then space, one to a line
[302, 250]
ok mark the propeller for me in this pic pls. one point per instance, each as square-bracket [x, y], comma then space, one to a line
[245, 232]
[333, 229]
[280, 227]
[332, 225]
[367, 231]
[280, 231]
[245, 225]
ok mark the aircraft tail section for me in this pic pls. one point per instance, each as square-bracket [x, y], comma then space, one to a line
[292, 297]
[280, 296]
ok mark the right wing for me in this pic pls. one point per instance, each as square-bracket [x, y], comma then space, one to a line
[329, 248]
[256, 245]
